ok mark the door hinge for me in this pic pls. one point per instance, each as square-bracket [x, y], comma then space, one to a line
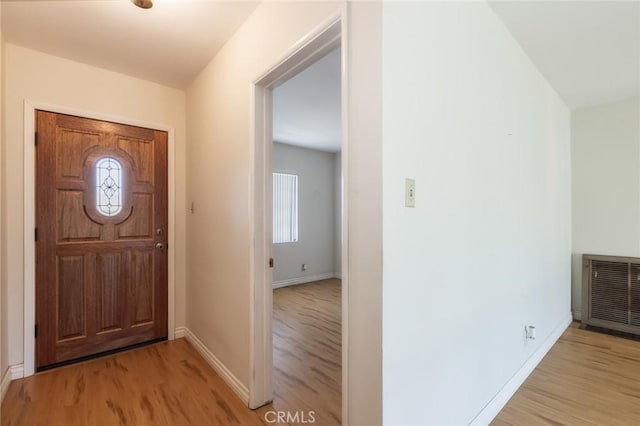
[35, 331]
[271, 262]
[35, 234]
[36, 139]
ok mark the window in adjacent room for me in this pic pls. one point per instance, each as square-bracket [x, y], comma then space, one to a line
[285, 208]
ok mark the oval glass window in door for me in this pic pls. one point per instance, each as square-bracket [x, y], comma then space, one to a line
[108, 186]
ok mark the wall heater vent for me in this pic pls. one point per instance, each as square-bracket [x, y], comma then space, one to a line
[611, 292]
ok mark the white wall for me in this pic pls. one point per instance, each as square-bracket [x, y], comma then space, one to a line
[605, 155]
[337, 220]
[47, 79]
[219, 232]
[316, 215]
[487, 248]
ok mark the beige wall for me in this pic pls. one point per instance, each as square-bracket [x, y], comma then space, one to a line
[218, 113]
[47, 79]
[364, 203]
[605, 154]
[3, 310]
[218, 252]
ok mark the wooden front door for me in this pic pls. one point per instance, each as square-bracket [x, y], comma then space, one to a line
[101, 238]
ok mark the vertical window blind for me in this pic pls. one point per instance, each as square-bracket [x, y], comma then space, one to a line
[285, 208]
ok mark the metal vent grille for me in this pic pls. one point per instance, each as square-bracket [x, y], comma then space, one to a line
[635, 294]
[610, 291]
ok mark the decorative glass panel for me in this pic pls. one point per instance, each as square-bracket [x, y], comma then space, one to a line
[108, 186]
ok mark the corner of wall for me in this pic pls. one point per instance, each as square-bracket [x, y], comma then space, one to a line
[605, 160]
[12, 373]
[234, 383]
[4, 385]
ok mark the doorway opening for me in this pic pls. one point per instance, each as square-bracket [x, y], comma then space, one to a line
[307, 242]
[298, 200]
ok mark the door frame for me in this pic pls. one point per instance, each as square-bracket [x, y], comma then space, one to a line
[330, 34]
[29, 265]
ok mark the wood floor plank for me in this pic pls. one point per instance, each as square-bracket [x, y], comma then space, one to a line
[307, 350]
[587, 378]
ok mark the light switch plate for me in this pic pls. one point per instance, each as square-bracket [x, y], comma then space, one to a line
[409, 193]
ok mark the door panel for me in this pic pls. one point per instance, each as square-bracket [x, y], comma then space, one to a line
[70, 292]
[70, 150]
[101, 209]
[142, 281]
[139, 223]
[111, 292]
[73, 223]
[141, 151]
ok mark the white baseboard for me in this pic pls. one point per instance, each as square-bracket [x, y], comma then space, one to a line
[577, 315]
[13, 372]
[6, 381]
[303, 280]
[236, 385]
[17, 371]
[179, 332]
[491, 410]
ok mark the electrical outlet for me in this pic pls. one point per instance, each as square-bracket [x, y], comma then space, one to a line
[530, 332]
[304, 266]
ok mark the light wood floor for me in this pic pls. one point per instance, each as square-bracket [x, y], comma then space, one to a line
[307, 350]
[586, 379]
[163, 384]
[170, 384]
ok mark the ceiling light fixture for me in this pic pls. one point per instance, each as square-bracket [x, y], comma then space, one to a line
[144, 4]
